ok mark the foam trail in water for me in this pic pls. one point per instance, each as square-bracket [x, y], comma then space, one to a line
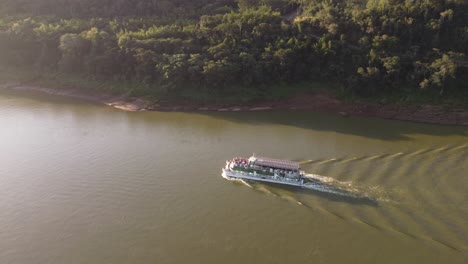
[327, 189]
[353, 159]
[459, 147]
[441, 149]
[350, 159]
[320, 178]
[395, 155]
[290, 199]
[264, 190]
[373, 157]
[236, 180]
[330, 185]
[327, 161]
[420, 152]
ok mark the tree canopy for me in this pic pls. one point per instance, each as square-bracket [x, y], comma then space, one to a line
[369, 46]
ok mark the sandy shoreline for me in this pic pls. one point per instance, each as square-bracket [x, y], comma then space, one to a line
[312, 102]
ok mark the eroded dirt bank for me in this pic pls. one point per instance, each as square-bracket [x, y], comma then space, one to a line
[311, 102]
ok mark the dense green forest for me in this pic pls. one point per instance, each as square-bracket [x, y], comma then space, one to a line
[368, 47]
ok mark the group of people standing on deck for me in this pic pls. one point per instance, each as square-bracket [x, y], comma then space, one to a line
[282, 171]
[241, 162]
[244, 163]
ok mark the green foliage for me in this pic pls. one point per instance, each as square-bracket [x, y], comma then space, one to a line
[440, 71]
[243, 46]
[107, 8]
[246, 4]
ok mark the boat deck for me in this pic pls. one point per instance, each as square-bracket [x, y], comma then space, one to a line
[271, 179]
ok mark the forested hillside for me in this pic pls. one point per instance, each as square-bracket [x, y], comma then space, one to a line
[370, 47]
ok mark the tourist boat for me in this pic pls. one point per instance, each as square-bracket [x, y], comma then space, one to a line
[266, 170]
[285, 172]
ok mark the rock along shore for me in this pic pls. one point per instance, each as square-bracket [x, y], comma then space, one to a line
[312, 102]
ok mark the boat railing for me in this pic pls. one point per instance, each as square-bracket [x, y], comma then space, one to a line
[277, 178]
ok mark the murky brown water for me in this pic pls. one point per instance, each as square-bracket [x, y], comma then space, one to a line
[81, 183]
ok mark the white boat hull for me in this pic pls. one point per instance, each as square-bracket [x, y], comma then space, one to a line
[271, 179]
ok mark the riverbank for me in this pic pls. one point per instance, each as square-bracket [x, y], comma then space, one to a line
[120, 102]
[314, 102]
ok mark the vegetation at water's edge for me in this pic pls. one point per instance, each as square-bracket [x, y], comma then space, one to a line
[394, 50]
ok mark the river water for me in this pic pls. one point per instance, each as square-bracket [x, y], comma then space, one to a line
[84, 183]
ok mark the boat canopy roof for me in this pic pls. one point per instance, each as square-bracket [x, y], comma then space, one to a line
[275, 163]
